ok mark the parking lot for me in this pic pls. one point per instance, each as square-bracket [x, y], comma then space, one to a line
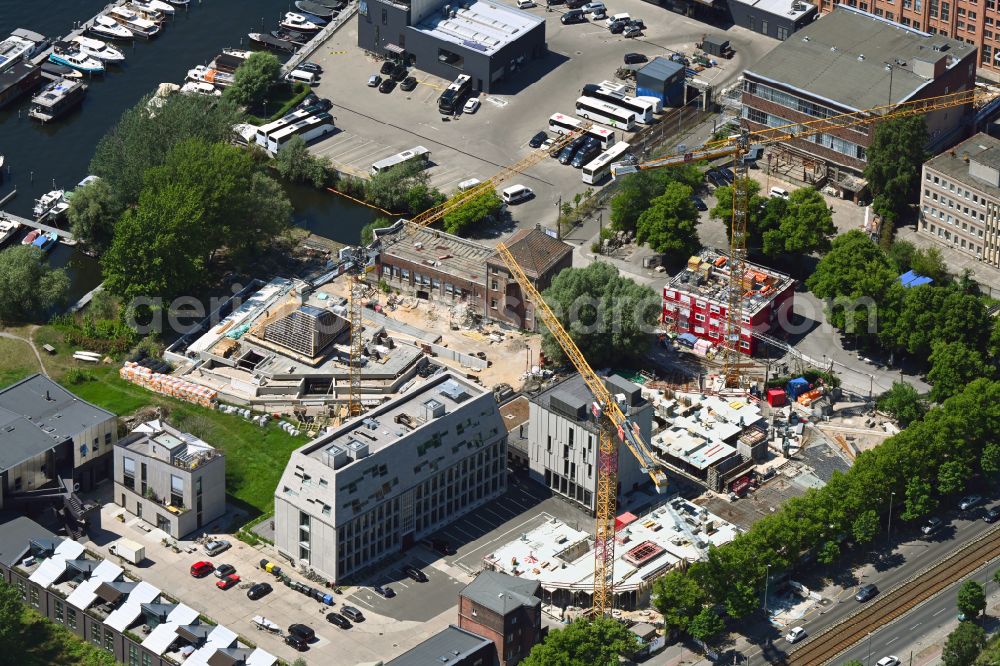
[373, 125]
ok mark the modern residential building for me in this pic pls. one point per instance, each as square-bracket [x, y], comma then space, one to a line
[170, 479]
[542, 257]
[487, 41]
[377, 484]
[960, 198]
[452, 646]
[505, 609]
[515, 417]
[850, 61]
[563, 438]
[971, 21]
[96, 600]
[696, 300]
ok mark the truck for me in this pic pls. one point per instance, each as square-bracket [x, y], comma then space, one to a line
[128, 550]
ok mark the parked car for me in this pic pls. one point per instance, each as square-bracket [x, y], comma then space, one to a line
[566, 156]
[795, 635]
[258, 591]
[408, 84]
[635, 58]
[399, 72]
[715, 178]
[525, 4]
[992, 515]
[296, 642]
[374, 80]
[385, 591]
[471, 105]
[228, 581]
[415, 573]
[891, 660]
[387, 86]
[387, 68]
[698, 203]
[866, 592]
[617, 27]
[224, 570]
[637, 22]
[632, 31]
[592, 7]
[352, 613]
[599, 15]
[727, 173]
[310, 67]
[932, 525]
[338, 619]
[217, 546]
[573, 16]
[970, 502]
[575, 4]
[587, 152]
[303, 631]
[537, 140]
[201, 569]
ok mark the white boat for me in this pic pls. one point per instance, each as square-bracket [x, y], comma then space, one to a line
[105, 26]
[80, 356]
[210, 76]
[180, 3]
[96, 48]
[137, 25]
[293, 21]
[46, 202]
[8, 229]
[237, 53]
[200, 88]
[155, 5]
[68, 54]
[146, 12]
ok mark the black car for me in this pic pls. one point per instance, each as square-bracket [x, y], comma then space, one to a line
[715, 178]
[296, 642]
[617, 27]
[399, 73]
[338, 619]
[550, 3]
[303, 631]
[727, 174]
[866, 592]
[259, 590]
[992, 515]
[587, 152]
[566, 156]
[573, 16]
[698, 203]
[575, 4]
[310, 67]
[538, 140]
[224, 570]
[385, 591]
[635, 58]
[352, 613]
[320, 105]
[636, 22]
[386, 86]
[415, 573]
[387, 68]
[408, 84]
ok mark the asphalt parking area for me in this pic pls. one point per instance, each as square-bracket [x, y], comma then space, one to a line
[413, 600]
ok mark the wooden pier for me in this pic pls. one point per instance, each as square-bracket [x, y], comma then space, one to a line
[65, 237]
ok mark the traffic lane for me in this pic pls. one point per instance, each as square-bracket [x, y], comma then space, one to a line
[413, 601]
[898, 638]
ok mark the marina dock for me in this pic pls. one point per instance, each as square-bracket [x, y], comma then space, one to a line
[65, 237]
[76, 32]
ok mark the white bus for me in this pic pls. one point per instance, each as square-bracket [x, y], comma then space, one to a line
[622, 88]
[308, 128]
[265, 131]
[418, 153]
[603, 112]
[600, 167]
[562, 124]
[643, 110]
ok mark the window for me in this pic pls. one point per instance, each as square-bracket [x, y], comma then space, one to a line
[699, 317]
[107, 438]
[945, 12]
[133, 655]
[60, 607]
[493, 303]
[71, 618]
[146, 659]
[95, 634]
[34, 596]
[109, 640]
[176, 490]
[782, 33]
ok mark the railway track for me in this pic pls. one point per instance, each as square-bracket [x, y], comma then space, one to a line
[825, 647]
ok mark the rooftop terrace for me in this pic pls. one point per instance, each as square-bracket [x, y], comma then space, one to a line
[707, 277]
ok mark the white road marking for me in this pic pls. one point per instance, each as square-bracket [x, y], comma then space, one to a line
[914, 626]
[939, 612]
[892, 641]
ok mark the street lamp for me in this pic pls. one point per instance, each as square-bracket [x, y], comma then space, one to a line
[889, 530]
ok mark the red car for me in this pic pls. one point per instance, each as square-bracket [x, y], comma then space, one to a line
[201, 569]
[228, 581]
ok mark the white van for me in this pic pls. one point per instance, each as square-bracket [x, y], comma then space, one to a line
[516, 194]
[525, 4]
[615, 18]
[779, 192]
[594, 8]
[467, 185]
[301, 76]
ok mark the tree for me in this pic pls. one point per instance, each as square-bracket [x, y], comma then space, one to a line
[971, 599]
[93, 212]
[805, 227]
[583, 642]
[930, 263]
[296, 164]
[865, 527]
[919, 501]
[895, 158]
[11, 622]
[473, 211]
[679, 598]
[952, 475]
[253, 78]
[990, 459]
[828, 552]
[902, 402]
[299, 662]
[637, 190]
[762, 214]
[28, 286]
[402, 188]
[853, 662]
[963, 645]
[921, 315]
[996, 576]
[953, 366]
[706, 625]
[669, 224]
[608, 316]
[367, 231]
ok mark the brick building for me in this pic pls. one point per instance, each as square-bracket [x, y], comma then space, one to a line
[505, 609]
[850, 61]
[971, 21]
[696, 300]
[542, 257]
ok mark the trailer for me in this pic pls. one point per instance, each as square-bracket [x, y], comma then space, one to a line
[128, 550]
[263, 624]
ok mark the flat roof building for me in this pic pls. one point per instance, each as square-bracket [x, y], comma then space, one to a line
[505, 609]
[960, 199]
[542, 257]
[366, 490]
[774, 18]
[452, 646]
[851, 61]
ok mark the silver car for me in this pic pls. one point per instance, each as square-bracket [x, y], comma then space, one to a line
[217, 546]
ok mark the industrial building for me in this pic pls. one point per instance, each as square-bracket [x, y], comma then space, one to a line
[505, 609]
[696, 300]
[364, 491]
[773, 18]
[170, 479]
[487, 41]
[541, 257]
[846, 62]
[960, 198]
[98, 602]
[563, 439]
[663, 79]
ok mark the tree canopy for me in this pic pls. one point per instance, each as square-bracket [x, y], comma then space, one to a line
[11, 618]
[253, 78]
[805, 226]
[953, 366]
[706, 625]
[669, 224]
[93, 212]
[678, 598]
[403, 189]
[609, 317]
[296, 164]
[963, 645]
[583, 642]
[971, 599]
[894, 161]
[473, 211]
[639, 189]
[28, 285]
[903, 403]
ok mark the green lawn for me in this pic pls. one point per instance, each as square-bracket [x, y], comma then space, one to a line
[48, 644]
[16, 361]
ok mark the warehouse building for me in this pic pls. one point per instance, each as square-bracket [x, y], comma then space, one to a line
[380, 483]
[851, 61]
[774, 18]
[487, 41]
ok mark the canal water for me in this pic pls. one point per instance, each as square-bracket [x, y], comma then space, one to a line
[41, 157]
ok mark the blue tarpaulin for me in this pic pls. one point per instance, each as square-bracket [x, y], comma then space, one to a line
[687, 339]
[911, 279]
[796, 387]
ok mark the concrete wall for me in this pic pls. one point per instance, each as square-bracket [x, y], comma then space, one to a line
[99, 439]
